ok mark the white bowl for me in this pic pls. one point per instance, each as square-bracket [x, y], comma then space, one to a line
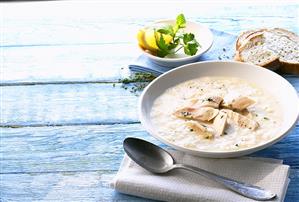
[202, 34]
[271, 82]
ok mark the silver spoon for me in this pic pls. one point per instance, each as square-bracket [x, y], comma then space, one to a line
[157, 160]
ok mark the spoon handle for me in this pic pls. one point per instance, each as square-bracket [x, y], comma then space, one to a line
[248, 190]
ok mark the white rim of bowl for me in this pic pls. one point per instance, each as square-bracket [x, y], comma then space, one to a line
[257, 147]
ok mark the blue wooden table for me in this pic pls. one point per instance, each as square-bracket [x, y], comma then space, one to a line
[64, 113]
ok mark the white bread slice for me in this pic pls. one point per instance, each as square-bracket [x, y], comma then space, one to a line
[290, 56]
[261, 57]
[285, 32]
[252, 50]
[271, 48]
[242, 37]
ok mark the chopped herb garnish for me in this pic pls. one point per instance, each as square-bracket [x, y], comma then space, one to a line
[138, 77]
[236, 145]
[137, 82]
[113, 85]
[266, 118]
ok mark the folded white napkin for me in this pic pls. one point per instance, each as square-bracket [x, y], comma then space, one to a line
[181, 185]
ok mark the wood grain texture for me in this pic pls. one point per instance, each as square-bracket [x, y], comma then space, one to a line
[62, 63]
[68, 142]
[81, 186]
[69, 148]
[65, 186]
[94, 22]
[76, 163]
[88, 148]
[71, 104]
[96, 46]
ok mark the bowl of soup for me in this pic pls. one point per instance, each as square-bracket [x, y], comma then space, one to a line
[219, 109]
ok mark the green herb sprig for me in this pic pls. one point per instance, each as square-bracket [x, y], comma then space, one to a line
[179, 40]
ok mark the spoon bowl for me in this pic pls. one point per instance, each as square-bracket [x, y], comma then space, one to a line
[157, 160]
[149, 156]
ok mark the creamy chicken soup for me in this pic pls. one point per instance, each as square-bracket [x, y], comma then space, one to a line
[216, 114]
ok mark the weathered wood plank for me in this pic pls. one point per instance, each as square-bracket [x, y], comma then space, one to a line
[98, 62]
[83, 48]
[94, 22]
[102, 31]
[65, 186]
[77, 45]
[82, 186]
[48, 149]
[89, 148]
[292, 192]
[65, 64]
[67, 104]
[36, 105]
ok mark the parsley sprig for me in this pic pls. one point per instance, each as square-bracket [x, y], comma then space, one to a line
[179, 39]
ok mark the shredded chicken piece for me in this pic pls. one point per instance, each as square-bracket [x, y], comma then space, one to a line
[201, 114]
[242, 103]
[238, 104]
[220, 123]
[200, 129]
[241, 120]
[212, 101]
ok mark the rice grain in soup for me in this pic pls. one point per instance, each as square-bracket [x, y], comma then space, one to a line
[265, 111]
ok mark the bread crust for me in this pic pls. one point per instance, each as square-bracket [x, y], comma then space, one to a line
[288, 68]
[244, 36]
[237, 57]
[273, 65]
[256, 36]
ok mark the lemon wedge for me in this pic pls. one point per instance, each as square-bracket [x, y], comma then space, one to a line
[140, 36]
[150, 40]
[147, 40]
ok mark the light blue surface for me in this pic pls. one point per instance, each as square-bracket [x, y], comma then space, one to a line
[63, 120]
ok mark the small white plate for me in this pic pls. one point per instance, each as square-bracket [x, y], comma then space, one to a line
[271, 82]
[202, 34]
